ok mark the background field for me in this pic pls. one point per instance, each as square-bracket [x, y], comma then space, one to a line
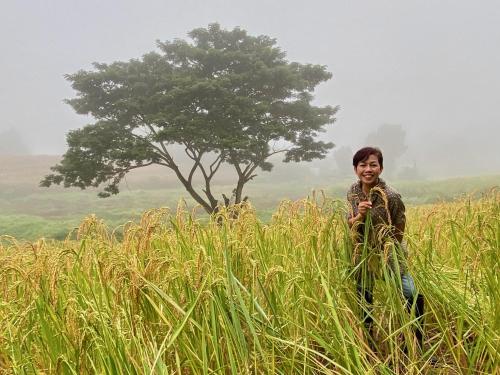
[29, 212]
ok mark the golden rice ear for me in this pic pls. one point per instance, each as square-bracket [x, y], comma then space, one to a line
[356, 253]
[383, 195]
[354, 230]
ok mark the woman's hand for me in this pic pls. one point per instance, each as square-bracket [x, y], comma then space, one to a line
[363, 208]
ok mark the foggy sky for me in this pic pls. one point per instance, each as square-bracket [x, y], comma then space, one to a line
[430, 66]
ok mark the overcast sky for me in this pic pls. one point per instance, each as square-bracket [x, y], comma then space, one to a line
[431, 66]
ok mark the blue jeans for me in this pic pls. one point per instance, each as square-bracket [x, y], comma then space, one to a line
[408, 286]
[365, 292]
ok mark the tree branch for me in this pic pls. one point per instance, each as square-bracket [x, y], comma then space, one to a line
[125, 170]
[190, 152]
[195, 166]
[207, 190]
[189, 187]
[248, 175]
[164, 152]
[246, 168]
[154, 132]
[217, 163]
[276, 152]
[187, 183]
[250, 168]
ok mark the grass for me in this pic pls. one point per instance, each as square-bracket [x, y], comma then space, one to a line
[176, 295]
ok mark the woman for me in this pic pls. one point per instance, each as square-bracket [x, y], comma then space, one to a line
[377, 217]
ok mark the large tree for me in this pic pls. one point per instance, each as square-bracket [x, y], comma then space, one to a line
[225, 96]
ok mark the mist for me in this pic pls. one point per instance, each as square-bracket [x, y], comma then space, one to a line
[430, 68]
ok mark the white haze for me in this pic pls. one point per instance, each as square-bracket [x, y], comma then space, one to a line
[429, 66]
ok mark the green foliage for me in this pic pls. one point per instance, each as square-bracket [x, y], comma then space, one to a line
[226, 97]
[29, 227]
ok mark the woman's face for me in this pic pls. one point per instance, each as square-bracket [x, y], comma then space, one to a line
[368, 170]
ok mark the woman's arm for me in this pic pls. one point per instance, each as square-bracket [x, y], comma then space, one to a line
[399, 231]
[398, 216]
[354, 219]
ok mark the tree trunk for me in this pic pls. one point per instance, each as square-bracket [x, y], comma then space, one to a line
[239, 190]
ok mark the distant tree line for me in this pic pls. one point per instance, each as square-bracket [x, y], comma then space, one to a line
[12, 143]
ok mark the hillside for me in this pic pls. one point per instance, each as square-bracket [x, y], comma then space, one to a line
[28, 211]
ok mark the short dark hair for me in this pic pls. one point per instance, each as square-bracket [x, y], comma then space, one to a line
[364, 153]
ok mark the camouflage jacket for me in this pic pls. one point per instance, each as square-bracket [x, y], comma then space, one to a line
[387, 212]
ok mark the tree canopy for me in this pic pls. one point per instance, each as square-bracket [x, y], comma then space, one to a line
[225, 96]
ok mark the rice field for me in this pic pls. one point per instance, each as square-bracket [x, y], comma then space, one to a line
[176, 295]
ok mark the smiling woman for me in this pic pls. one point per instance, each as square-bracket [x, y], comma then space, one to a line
[377, 218]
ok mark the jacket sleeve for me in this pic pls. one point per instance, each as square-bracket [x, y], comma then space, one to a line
[397, 210]
[352, 208]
